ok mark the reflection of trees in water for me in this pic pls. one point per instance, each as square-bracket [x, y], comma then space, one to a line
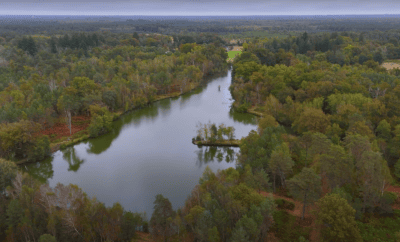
[137, 116]
[244, 118]
[102, 143]
[207, 154]
[165, 106]
[186, 97]
[74, 162]
[42, 170]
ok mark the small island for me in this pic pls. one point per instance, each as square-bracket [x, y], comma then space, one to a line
[211, 135]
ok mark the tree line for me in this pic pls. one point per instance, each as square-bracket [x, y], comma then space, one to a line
[60, 81]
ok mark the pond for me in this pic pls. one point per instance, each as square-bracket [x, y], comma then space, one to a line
[150, 152]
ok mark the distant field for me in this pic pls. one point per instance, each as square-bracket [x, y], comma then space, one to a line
[232, 54]
[259, 33]
[391, 65]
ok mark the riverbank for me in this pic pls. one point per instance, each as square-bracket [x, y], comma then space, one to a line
[234, 143]
[81, 133]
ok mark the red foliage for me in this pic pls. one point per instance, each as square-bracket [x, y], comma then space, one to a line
[60, 129]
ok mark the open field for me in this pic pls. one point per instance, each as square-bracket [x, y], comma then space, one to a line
[391, 64]
[232, 53]
[237, 50]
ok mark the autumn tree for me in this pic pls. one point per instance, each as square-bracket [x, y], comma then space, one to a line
[312, 120]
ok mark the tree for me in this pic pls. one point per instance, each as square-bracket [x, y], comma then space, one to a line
[337, 166]
[384, 130]
[312, 119]
[397, 169]
[336, 217]
[266, 121]
[68, 103]
[305, 186]
[47, 238]
[373, 176]
[159, 222]
[8, 171]
[128, 226]
[53, 47]
[101, 121]
[281, 163]
[239, 235]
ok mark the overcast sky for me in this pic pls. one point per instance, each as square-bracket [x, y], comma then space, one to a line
[198, 7]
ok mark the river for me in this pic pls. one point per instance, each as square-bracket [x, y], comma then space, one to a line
[150, 152]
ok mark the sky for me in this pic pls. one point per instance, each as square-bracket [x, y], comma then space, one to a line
[198, 7]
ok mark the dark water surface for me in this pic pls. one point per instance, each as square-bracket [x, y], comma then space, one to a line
[150, 151]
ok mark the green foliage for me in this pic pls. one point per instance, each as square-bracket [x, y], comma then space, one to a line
[101, 121]
[378, 228]
[160, 221]
[284, 204]
[286, 228]
[397, 170]
[18, 141]
[337, 219]
[15, 213]
[8, 171]
[305, 186]
[47, 238]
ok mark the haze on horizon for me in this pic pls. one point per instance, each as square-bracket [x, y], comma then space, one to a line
[198, 8]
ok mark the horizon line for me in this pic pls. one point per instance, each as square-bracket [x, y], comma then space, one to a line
[235, 15]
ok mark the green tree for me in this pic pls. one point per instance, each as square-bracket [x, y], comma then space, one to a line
[312, 119]
[281, 163]
[15, 213]
[160, 219]
[101, 122]
[384, 130]
[336, 217]
[53, 47]
[397, 169]
[240, 235]
[337, 166]
[8, 171]
[47, 238]
[305, 186]
[266, 121]
[128, 226]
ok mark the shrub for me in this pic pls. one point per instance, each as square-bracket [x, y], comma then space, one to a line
[284, 204]
[40, 149]
[47, 238]
[242, 108]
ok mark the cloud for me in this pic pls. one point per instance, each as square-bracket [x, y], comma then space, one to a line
[198, 7]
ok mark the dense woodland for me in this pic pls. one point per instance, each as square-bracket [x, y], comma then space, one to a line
[328, 138]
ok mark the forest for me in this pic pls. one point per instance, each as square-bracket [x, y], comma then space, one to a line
[323, 165]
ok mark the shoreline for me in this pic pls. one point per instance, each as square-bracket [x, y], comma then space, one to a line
[233, 143]
[54, 147]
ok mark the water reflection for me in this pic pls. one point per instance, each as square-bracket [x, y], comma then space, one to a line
[242, 117]
[149, 151]
[74, 162]
[207, 154]
[42, 170]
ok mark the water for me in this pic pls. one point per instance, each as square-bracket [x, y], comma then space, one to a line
[150, 151]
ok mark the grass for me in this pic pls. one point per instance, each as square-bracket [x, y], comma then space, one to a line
[232, 54]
